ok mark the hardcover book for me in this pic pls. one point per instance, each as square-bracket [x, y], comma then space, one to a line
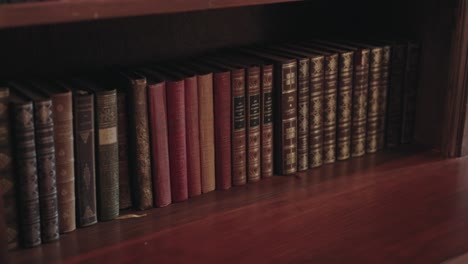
[125, 196]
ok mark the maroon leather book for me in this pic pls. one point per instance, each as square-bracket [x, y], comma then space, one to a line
[125, 198]
[267, 120]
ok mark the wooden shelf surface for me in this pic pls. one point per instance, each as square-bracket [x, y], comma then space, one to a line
[39, 13]
[403, 206]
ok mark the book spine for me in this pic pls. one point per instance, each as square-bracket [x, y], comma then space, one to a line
[286, 115]
[206, 122]
[26, 171]
[222, 122]
[3, 235]
[410, 93]
[142, 186]
[360, 93]
[125, 198]
[395, 96]
[177, 140]
[63, 137]
[253, 124]
[46, 170]
[8, 182]
[159, 144]
[384, 87]
[193, 136]
[107, 159]
[345, 104]
[303, 87]
[317, 82]
[238, 123]
[267, 121]
[85, 168]
[329, 109]
[375, 78]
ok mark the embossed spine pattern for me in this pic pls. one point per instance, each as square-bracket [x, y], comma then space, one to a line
[317, 79]
[345, 97]
[222, 121]
[107, 159]
[238, 123]
[26, 171]
[303, 91]
[8, 183]
[159, 144]
[395, 95]
[360, 93]
[206, 121]
[329, 108]
[64, 155]
[253, 124]
[410, 92]
[177, 139]
[140, 145]
[125, 199]
[85, 159]
[193, 136]
[382, 101]
[375, 84]
[266, 119]
[46, 171]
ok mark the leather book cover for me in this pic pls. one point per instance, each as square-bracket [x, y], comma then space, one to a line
[125, 197]
[382, 101]
[85, 166]
[285, 112]
[26, 170]
[8, 181]
[267, 120]
[62, 111]
[139, 141]
[410, 92]
[253, 81]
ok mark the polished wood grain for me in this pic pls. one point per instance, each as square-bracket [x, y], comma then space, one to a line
[39, 13]
[403, 206]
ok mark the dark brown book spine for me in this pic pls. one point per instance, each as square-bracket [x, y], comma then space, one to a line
[85, 159]
[3, 235]
[360, 93]
[329, 108]
[375, 83]
[410, 93]
[26, 171]
[125, 198]
[286, 119]
[107, 159]
[141, 175]
[395, 95]
[267, 121]
[345, 104]
[253, 124]
[384, 87]
[303, 115]
[238, 123]
[8, 182]
[317, 82]
[63, 137]
[46, 173]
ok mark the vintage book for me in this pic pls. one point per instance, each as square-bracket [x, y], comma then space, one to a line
[62, 111]
[382, 101]
[125, 197]
[8, 181]
[26, 169]
[139, 141]
[85, 166]
[45, 155]
[410, 92]
[267, 120]
[285, 112]
[157, 117]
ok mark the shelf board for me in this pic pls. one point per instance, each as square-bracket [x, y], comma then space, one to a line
[39, 13]
[391, 206]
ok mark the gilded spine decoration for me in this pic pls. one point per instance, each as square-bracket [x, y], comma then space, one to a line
[303, 115]
[316, 111]
[373, 99]
[267, 121]
[345, 97]
[239, 161]
[253, 124]
[329, 109]
[382, 101]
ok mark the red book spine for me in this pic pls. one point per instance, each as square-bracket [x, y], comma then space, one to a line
[222, 116]
[267, 121]
[177, 139]
[159, 144]
[193, 136]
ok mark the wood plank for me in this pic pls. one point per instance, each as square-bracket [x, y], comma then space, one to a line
[39, 13]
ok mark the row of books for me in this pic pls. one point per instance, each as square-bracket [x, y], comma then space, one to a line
[77, 150]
